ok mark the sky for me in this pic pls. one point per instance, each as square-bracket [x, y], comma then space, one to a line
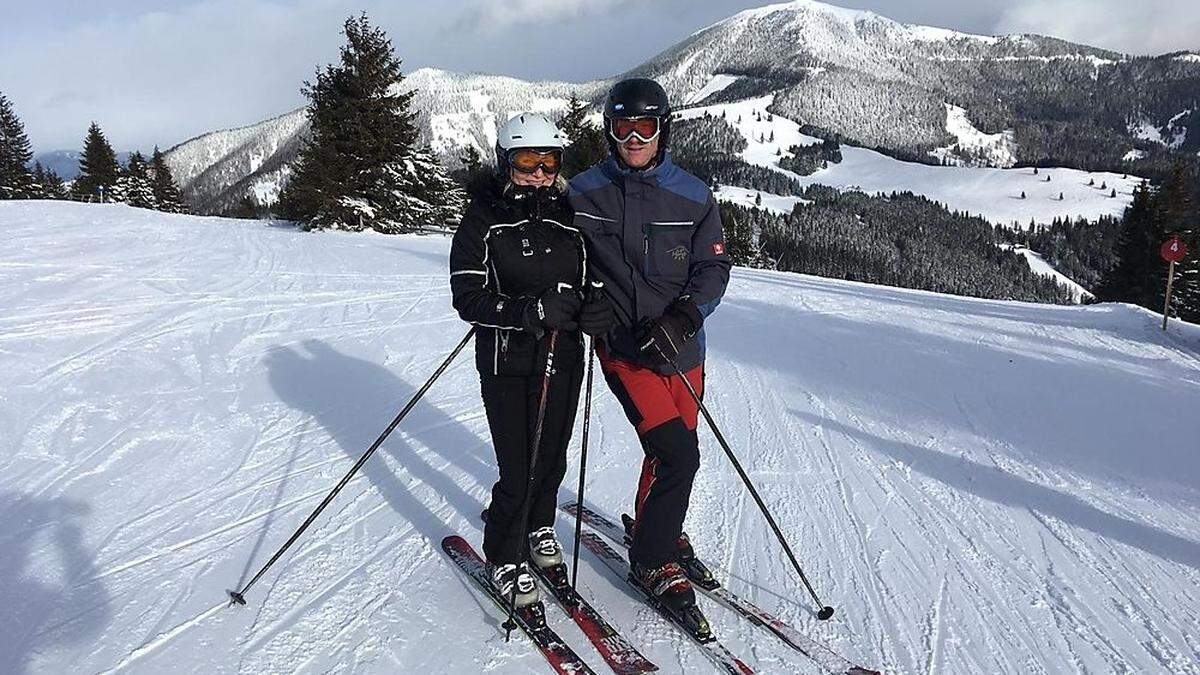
[157, 72]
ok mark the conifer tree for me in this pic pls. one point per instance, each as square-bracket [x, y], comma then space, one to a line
[16, 181]
[475, 176]
[38, 180]
[587, 143]
[1138, 275]
[134, 186]
[98, 167]
[52, 184]
[167, 194]
[361, 166]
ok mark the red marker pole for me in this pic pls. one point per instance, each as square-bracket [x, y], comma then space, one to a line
[1173, 251]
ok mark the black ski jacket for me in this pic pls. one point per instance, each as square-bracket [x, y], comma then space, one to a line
[511, 247]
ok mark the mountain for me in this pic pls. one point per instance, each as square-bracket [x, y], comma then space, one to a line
[916, 94]
[66, 162]
[977, 486]
[914, 90]
[216, 170]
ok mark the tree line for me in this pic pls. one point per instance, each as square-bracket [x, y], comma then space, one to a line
[144, 183]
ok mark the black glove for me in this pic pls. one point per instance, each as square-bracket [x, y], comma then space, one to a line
[553, 310]
[596, 317]
[667, 335]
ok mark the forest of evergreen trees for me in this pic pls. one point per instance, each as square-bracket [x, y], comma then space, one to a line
[897, 240]
[1082, 249]
[142, 183]
[1139, 275]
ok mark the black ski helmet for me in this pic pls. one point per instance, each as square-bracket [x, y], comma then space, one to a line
[638, 97]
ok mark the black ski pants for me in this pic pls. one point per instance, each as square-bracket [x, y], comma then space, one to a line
[512, 410]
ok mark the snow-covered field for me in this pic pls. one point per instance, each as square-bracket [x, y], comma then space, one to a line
[993, 194]
[979, 486]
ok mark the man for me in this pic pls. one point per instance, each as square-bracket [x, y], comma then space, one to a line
[653, 234]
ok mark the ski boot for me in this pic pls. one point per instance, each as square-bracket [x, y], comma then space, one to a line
[546, 554]
[695, 569]
[669, 588]
[505, 576]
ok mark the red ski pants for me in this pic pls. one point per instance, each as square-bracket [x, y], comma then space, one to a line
[664, 414]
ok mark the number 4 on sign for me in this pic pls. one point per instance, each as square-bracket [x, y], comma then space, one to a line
[1173, 251]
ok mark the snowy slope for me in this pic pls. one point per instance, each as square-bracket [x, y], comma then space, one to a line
[994, 194]
[1038, 264]
[979, 486]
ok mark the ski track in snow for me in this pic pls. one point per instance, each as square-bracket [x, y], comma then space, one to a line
[977, 486]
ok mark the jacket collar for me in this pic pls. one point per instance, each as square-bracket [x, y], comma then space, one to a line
[613, 168]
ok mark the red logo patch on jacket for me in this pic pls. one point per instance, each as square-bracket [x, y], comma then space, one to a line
[719, 248]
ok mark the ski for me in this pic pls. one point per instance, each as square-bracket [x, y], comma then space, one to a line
[531, 620]
[703, 579]
[618, 653]
[714, 650]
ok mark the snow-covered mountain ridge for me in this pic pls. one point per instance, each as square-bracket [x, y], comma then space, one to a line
[455, 111]
[913, 92]
[978, 486]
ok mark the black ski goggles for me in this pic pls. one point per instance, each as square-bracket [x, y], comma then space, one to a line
[528, 160]
[624, 128]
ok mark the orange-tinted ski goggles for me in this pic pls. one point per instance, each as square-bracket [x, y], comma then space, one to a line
[528, 160]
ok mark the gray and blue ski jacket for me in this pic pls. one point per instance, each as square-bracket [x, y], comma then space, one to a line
[652, 237]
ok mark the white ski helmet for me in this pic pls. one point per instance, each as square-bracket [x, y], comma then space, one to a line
[527, 130]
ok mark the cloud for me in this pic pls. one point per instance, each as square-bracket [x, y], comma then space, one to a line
[490, 15]
[1145, 27]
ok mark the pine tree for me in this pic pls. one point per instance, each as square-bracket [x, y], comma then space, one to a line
[134, 186]
[587, 143]
[166, 191]
[16, 181]
[475, 176]
[246, 209]
[1138, 275]
[361, 166]
[98, 167]
[52, 185]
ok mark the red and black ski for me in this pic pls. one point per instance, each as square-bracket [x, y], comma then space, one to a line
[821, 654]
[714, 650]
[618, 653]
[531, 620]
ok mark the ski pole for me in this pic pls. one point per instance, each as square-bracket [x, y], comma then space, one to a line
[826, 611]
[534, 451]
[587, 418]
[239, 595]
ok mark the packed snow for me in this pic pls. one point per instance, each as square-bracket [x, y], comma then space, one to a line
[781, 205]
[993, 194]
[718, 83]
[974, 147]
[978, 486]
[1038, 264]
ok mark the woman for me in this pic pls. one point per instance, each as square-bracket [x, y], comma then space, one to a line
[518, 270]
